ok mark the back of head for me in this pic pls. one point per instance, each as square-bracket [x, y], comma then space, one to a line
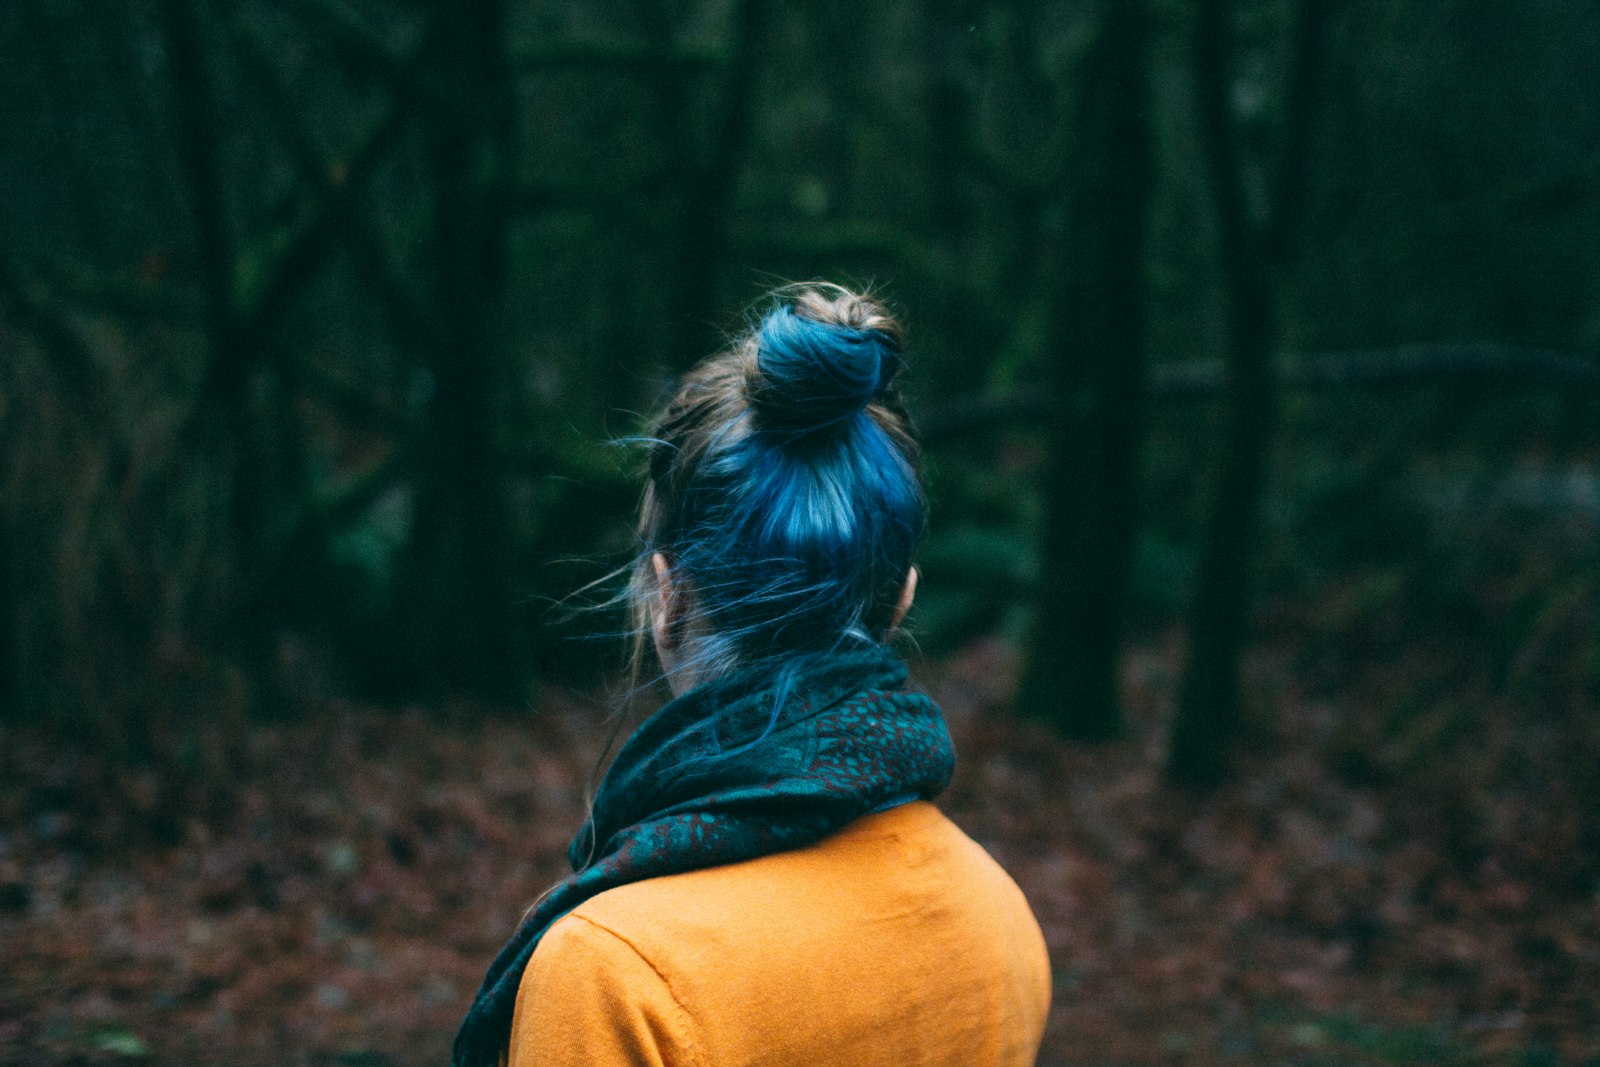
[784, 493]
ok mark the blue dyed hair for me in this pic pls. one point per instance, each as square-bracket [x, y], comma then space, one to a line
[784, 490]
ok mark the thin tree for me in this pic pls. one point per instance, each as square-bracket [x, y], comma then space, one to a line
[1070, 675]
[702, 181]
[223, 413]
[10, 620]
[458, 593]
[1252, 252]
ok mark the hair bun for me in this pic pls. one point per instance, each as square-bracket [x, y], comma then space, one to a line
[811, 371]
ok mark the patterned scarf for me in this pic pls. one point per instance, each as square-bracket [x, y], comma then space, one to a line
[716, 777]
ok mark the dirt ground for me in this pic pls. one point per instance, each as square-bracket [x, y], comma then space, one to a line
[329, 890]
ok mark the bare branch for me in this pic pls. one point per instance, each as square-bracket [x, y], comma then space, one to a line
[845, 238]
[69, 355]
[1481, 365]
[283, 277]
[339, 187]
[364, 50]
[624, 56]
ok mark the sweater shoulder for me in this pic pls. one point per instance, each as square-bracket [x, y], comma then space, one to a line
[899, 932]
[912, 853]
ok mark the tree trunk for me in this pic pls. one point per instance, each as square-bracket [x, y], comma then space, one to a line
[10, 620]
[456, 587]
[709, 185]
[1070, 676]
[1208, 715]
[222, 426]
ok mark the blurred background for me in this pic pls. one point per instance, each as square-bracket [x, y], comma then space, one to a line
[1254, 350]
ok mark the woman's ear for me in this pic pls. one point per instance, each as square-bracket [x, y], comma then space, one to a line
[907, 595]
[662, 610]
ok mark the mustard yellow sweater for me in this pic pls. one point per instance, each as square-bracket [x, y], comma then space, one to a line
[897, 941]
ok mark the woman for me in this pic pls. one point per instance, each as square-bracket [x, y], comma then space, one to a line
[763, 878]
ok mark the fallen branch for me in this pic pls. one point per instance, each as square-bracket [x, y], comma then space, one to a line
[1475, 364]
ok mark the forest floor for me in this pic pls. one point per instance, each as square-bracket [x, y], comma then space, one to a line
[328, 890]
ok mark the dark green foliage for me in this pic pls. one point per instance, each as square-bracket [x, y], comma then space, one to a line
[975, 580]
[314, 318]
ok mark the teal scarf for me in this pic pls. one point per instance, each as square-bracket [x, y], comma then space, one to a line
[732, 770]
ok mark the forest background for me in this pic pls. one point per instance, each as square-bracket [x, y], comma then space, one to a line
[1254, 353]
